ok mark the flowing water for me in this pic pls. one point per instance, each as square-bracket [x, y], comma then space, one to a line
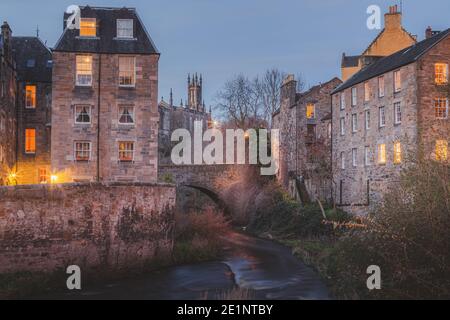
[268, 270]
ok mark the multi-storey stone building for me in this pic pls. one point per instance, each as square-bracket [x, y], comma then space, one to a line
[391, 39]
[304, 121]
[104, 100]
[384, 115]
[181, 117]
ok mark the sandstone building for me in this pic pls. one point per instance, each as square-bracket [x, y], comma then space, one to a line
[104, 99]
[304, 121]
[174, 117]
[384, 115]
[391, 39]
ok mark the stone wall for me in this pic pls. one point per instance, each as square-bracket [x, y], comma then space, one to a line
[108, 226]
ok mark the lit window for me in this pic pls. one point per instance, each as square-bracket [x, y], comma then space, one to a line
[127, 73]
[43, 175]
[84, 71]
[126, 115]
[354, 96]
[367, 119]
[310, 111]
[366, 91]
[125, 28]
[342, 124]
[342, 100]
[88, 27]
[397, 152]
[441, 150]
[367, 156]
[342, 160]
[30, 97]
[126, 151]
[83, 114]
[354, 123]
[441, 73]
[382, 154]
[382, 117]
[441, 108]
[381, 86]
[397, 81]
[397, 113]
[82, 150]
[354, 157]
[30, 140]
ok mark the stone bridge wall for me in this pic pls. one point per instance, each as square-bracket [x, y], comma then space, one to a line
[112, 226]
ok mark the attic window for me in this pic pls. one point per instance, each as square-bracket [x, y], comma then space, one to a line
[125, 28]
[31, 63]
[88, 27]
[49, 64]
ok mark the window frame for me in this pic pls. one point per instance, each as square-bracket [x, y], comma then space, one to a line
[382, 116]
[133, 115]
[354, 157]
[118, 35]
[367, 161]
[397, 113]
[354, 96]
[310, 116]
[441, 155]
[342, 100]
[438, 108]
[86, 19]
[84, 72]
[381, 149]
[76, 151]
[398, 158]
[367, 119]
[43, 172]
[367, 91]
[34, 96]
[381, 87]
[76, 114]
[26, 144]
[342, 126]
[126, 151]
[354, 122]
[397, 86]
[342, 160]
[122, 71]
[445, 73]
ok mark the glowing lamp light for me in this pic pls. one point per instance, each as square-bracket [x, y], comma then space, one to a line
[53, 178]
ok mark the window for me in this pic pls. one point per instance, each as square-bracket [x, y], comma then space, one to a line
[31, 63]
[330, 130]
[342, 126]
[366, 91]
[126, 151]
[441, 150]
[397, 113]
[382, 117]
[127, 72]
[354, 157]
[125, 28]
[382, 154]
[30, 97]
[397, 152]
[82, 114]
[397, 81]
[367, 156]
[43, 175]
[342, 100]
[441, 108]
[381, 86]
[441, 73]
[82, 150]
[84, 70]
[30, 140]
[126, 115]
[354, 96]
[310, 111]
[367, 119]
[342, 160]
[354, 122]
[88, 27]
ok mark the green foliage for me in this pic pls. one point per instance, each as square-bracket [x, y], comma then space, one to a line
[168, 178]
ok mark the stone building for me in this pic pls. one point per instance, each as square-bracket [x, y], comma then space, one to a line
[104, 99]
[8, 119]
[181, 117]
[34, 84]
[384, 115]
[391, 39]
[304, 121]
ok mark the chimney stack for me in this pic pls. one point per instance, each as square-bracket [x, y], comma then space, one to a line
[393, 19]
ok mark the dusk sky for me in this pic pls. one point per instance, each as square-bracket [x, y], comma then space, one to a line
[221, 38]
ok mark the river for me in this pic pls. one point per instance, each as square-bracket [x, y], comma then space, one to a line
[268, 270]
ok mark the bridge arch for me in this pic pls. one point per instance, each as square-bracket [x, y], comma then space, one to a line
[212, 194]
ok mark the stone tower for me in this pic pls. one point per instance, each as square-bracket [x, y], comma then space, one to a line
[195, 92]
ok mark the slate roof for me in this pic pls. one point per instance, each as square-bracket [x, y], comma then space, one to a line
[106, 41]
[31, 49]
[350, 61]
[399, 59]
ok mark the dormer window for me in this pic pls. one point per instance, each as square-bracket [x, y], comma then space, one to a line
[125, 28]
[88, 27]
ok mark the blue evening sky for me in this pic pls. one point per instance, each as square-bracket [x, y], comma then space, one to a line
[221, 38]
